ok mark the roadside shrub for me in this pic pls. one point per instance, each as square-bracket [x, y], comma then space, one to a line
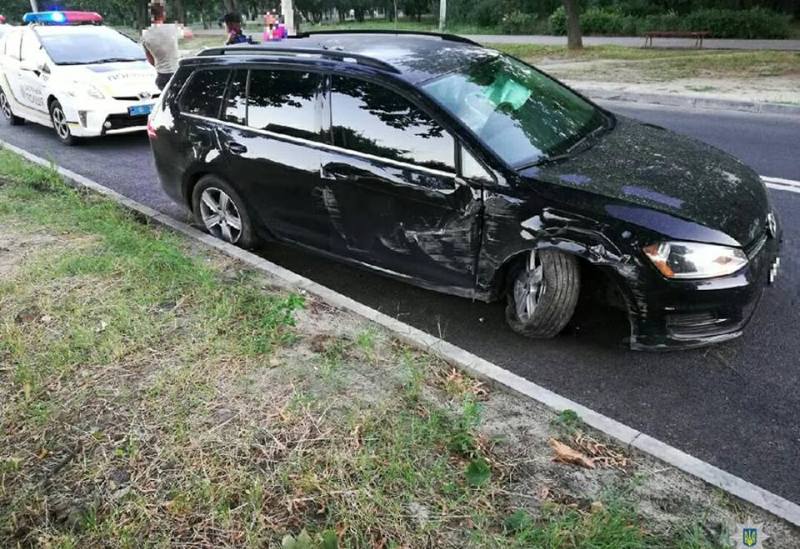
[517, 22]
[558, 21]
[752, 23]
[486, 13]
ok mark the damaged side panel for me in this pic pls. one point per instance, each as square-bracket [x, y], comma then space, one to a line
[421, 225]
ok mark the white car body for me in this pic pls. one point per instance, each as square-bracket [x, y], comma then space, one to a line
[95, 97]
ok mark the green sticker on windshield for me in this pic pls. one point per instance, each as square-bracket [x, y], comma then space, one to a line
[507, 90]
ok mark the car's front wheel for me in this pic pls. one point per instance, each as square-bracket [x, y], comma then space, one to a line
[543, 291]
[60, 124]
[8, 114]
[219, 209]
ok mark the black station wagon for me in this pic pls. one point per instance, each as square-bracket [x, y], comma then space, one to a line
[454, 167]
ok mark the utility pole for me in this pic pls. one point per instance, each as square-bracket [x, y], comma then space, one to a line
[34, 5]
[442, 14]
[287, 8]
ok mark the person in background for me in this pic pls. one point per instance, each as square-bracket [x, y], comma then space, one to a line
[160, 43]
[233, 24]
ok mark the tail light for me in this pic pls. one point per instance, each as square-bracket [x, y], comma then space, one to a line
[151, 131]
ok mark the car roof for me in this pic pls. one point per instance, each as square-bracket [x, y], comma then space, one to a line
[47, 30]
[412, 57]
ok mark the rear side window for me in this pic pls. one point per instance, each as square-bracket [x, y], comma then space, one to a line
[235, 108]
[284, 102]
[371, 119]
[12, 44]
[203, 94]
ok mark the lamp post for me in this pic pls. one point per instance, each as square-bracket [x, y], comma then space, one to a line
[34, 5]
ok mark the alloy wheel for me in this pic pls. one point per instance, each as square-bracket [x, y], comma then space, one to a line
[60, 122]
[220, 215]
[5, 106]
[529, 287]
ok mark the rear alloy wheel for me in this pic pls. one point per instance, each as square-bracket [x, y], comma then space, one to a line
[8, 114]
[218, 208]
[60, 124]
[543, 293]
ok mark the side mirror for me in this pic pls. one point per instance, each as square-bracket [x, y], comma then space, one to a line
[31, 65]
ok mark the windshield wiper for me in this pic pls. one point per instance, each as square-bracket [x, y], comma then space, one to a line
[114, 60]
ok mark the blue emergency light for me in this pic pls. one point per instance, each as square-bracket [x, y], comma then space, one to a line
[63, 18]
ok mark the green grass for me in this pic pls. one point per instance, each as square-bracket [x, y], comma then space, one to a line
[155, 394]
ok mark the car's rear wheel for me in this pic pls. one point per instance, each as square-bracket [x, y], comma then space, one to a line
[543, 292]
[219, 209]
[60, 124]
[8, 114]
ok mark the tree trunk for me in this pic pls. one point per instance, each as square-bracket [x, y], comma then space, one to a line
[179, 11]
[574, 40]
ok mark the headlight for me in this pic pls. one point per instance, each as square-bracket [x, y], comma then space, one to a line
[688, 260]
[94, 92]
[91, 90]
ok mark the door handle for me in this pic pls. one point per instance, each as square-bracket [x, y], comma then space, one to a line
[236, 148]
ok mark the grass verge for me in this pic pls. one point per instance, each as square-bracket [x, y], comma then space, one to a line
[663, 64]
[155, 393]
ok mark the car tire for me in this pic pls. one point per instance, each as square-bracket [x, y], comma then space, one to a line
[543, 291]
[220, 211]
[60, 124]
[8, 114]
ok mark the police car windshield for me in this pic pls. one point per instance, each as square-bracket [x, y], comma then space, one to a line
[88, 45]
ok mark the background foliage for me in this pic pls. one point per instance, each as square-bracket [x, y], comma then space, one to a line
[724, 18]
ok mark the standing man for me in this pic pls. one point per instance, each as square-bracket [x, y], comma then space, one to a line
[160, 43]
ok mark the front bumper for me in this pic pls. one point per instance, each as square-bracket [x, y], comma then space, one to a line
[106, 117]
[689, 314]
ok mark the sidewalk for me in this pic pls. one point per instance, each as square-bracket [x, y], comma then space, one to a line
[638, 42]
[629, 41]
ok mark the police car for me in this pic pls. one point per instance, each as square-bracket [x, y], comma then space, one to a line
[66, 71]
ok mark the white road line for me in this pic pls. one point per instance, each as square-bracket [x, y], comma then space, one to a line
[789, 185]
[470, 363]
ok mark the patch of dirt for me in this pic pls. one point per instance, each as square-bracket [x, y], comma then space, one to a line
[17, 245]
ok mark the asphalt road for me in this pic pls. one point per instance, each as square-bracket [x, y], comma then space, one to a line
[735, 405]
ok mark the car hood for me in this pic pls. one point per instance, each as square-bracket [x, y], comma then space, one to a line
[649, 166]
[128, 79]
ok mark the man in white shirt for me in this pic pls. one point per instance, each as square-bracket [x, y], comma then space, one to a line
[160, 43]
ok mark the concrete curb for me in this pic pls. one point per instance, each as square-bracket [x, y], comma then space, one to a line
[470, 363]
[687, 101]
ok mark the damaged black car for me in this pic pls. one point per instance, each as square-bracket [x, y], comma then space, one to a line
[433, 160]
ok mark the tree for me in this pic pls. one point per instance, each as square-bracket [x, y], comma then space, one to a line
[574, 40]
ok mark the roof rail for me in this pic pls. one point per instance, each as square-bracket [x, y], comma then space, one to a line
[443, 36]
[338, 55]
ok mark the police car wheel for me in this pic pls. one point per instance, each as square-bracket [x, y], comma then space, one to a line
[219, 209]
[60, 124]
[8, 114]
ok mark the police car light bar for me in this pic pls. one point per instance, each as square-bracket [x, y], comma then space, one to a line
[63, 18]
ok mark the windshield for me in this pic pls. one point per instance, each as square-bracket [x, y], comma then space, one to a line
[518, 112]
[87, 45]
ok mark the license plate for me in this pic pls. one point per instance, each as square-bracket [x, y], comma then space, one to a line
[140, 110]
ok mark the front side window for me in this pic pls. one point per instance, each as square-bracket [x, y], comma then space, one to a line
[31, 49]
[371, 119]
[284, 102]
[203, 94]
[519, 113]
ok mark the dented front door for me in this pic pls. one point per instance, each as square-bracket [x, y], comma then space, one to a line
[414, 223]
[391, 191]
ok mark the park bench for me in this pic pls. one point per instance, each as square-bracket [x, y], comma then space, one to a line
[697, 35]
